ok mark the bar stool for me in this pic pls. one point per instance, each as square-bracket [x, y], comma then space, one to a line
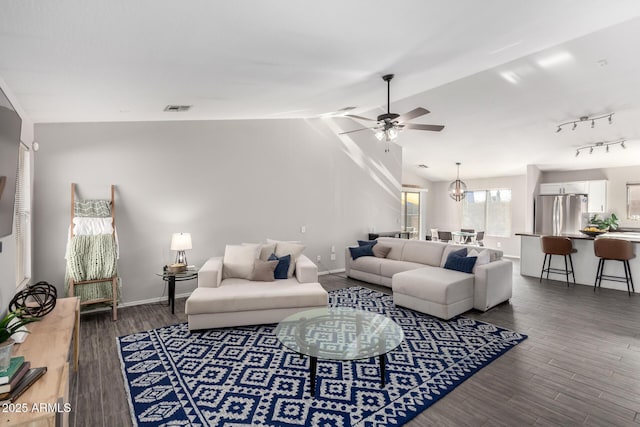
[557, 245]
[614, 250]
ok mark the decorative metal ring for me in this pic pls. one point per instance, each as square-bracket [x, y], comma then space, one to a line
[35, 300]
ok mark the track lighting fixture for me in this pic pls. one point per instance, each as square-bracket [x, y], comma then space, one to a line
[605, 144]
[582, 119]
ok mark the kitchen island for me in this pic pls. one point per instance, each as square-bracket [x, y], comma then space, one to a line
[585, 262]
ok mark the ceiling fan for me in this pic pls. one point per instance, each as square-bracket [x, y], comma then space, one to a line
[389, 124]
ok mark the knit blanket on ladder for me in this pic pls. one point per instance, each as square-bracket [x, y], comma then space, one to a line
[91, 257]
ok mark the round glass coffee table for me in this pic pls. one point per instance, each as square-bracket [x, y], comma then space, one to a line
[339, 333]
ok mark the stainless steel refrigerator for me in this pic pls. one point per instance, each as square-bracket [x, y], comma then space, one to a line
[560, 213]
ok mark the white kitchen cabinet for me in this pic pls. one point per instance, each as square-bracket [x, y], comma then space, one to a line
[597, 196]
[551, 188]
[574, 187]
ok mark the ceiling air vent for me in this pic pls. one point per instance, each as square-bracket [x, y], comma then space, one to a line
[423, 166]
[177, 108]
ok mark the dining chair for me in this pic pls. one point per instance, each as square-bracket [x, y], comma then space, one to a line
[434, 234]
[480, 238]
[444, 236]
[468, 239]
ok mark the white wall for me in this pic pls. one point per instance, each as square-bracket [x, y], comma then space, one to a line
[223, 181]
[617, 179]
[446, 214]
[8, 254]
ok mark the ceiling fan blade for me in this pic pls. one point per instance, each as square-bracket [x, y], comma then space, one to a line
[435, 128]
[359, 117]
[357, 130]
[417, 112]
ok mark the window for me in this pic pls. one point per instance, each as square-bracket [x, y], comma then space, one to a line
[410, 212]
[23, 217]
[488, 211]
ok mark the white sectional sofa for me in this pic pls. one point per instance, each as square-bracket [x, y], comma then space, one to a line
[414, 270]
[218, 302]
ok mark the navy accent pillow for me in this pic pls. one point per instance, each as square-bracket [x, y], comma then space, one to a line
[283, 266]
[460, 263]
[367, 242]
[366, 250]
[459, 252]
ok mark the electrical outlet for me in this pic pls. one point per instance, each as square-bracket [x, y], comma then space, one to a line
[333, 249]
[303, 229]
[499, 244]
[333, 257]
[318, 258]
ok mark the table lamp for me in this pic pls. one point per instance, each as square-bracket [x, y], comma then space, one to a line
[181, 242]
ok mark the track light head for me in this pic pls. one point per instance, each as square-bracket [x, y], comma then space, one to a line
[575, 125]
[610, 119]
[559, 129]
[593, 124]
[607, 148]
[622, 145]
[591, 150]
[577, 153]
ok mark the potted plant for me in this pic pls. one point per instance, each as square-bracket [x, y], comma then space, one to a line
[9, 325]
[610, 223]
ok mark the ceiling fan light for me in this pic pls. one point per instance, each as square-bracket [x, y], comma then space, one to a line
[393, 134]
[380, 135]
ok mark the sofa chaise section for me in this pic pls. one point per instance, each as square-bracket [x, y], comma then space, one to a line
[415, 271]
[218, 302]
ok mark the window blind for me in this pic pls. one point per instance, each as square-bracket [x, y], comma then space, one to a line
[23, 217]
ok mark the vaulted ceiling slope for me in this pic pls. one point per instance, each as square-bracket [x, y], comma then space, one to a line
[118, 60]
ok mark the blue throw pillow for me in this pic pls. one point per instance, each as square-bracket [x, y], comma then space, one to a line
[459, 252]
[366, 250]
[367, 242]
[458, 262]
[283, 266]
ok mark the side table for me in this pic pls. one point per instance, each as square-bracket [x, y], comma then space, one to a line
[172, 278]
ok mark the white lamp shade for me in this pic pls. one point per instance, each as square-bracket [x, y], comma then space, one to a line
[180, 241]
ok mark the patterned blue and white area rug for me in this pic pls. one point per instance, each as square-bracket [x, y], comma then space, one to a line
[244, 376]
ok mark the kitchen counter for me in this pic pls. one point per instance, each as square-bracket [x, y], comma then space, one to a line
[571, 236]
[585, 262]
[631, 236]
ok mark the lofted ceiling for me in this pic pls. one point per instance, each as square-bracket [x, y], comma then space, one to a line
[485, 70]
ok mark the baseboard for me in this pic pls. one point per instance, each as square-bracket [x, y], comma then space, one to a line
[134, 303]
[184, 295]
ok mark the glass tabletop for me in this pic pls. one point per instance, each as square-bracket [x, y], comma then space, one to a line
[188, 273]
[339, 333]
[463, 233]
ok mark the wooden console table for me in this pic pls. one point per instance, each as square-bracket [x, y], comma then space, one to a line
[48, 345]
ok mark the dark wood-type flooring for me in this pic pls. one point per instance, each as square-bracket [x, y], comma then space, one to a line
[580, 365]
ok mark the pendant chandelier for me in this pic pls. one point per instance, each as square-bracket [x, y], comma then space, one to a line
[457, 188]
